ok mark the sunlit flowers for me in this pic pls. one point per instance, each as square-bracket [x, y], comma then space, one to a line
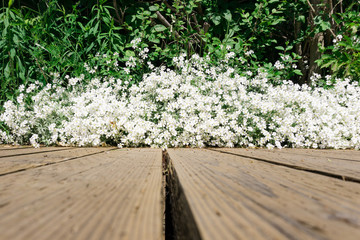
[196, 105]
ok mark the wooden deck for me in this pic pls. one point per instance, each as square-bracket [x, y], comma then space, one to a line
[110, 193]
[92, 193]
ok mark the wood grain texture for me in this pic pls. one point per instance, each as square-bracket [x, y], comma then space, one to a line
[313, 160]
[350, 155]
[13, 147]
[111, 195]
[231, 197]
[36, 157]
[13, 151]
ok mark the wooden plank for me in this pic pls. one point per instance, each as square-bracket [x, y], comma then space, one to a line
[349, 155]
[13, 147]
[231, 197]
[10, 164]
[112, 195]
[313, 160]
[8, 152]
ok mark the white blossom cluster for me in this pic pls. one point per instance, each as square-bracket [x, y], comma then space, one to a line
[197, 105]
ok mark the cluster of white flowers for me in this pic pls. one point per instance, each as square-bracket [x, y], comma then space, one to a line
[316, 77]
[278, 65]
[143, 53]
[338, 39]
[249, 53]
[199, 105]
[135, 42]
[131, 62]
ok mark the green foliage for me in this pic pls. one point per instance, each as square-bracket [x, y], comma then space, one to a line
[343, 57]
[34, 45]
[13, 52]
[43, 39]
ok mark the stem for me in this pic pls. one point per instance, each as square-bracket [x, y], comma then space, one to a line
[43, 73]
[312, 8]
[166, 23]
[117, 12]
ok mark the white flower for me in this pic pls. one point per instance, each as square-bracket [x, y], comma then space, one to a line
[278, 65]
[285, 58]
[21, 88]
[52, 127]
[31, 88]
[135, 42]
[250, 52]
[73, 81]
[150, 65]
[249, 73]
[229, 55]
[33, 141]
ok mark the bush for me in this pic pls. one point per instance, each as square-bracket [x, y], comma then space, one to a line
[343, 57]
[198, 105]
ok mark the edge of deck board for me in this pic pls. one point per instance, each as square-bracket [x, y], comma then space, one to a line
[182, 222]
[233, 203]
[110, 195]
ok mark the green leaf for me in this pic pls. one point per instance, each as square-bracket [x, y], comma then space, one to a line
[6, 23]
[289, 48]
[154, 40]
[147, 13]
[228, 16]
[159, 28]
[12, 53]
[21, 68]
[325, 25]
[298, 72]
[280, 48]
[301, 18]
[216, 20]
[129, 53]
[11, 3]
[154, 8]
[7, 70]
[277, 21]
[90, 47]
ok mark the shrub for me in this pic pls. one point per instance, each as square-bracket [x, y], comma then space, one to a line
[198, 105]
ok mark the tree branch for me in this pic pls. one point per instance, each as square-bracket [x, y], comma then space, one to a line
[169, 6]
[166, 23]
[196, 23]
[206, 27]
[117, 12]
[312, 8]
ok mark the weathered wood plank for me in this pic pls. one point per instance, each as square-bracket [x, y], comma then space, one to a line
[13, 147]
[350, 155]
[231, 197]
[8, 152]
[36, 158]
[313, 160]
[112, 195]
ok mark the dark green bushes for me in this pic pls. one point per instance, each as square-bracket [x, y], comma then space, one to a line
[40, 39]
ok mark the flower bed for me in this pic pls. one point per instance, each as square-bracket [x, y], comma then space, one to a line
[198, 105]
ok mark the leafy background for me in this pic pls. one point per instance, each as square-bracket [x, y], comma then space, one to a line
[40, 39]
